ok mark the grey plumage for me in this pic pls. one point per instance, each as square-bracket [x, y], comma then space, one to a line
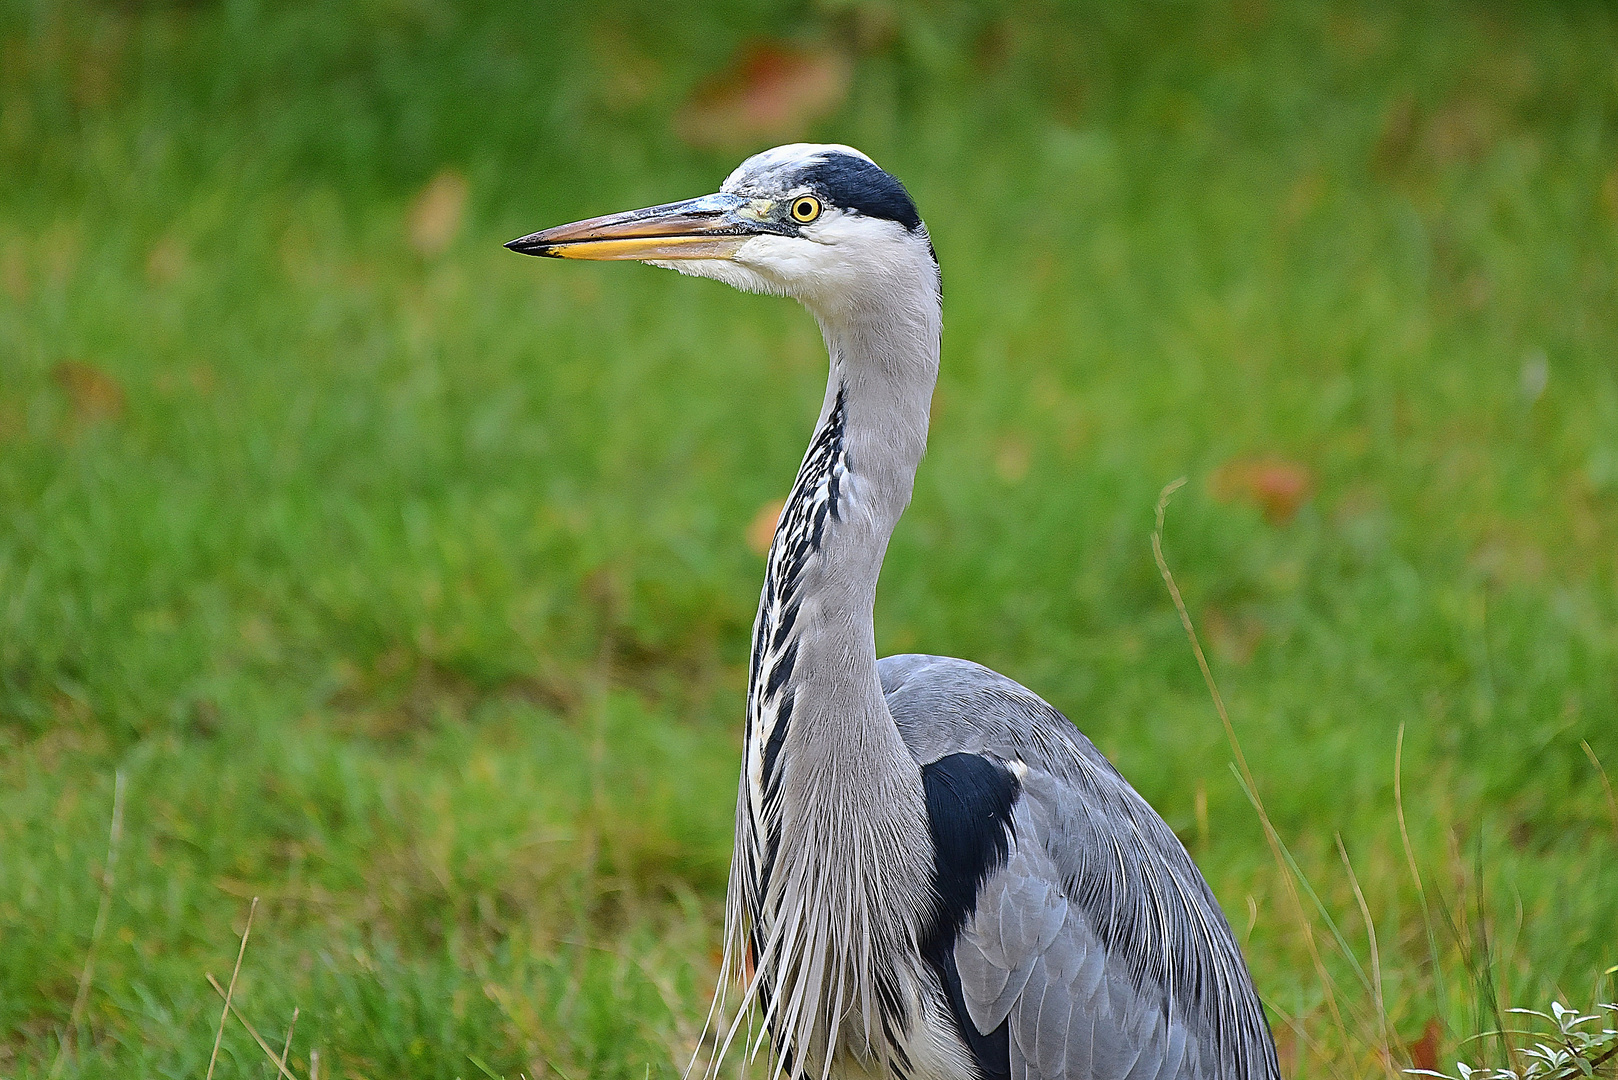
[935, 875]
[1099, 939]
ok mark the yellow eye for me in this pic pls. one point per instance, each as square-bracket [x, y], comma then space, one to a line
[805, 208]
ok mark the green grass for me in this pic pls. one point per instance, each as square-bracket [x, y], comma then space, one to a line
[409, 591]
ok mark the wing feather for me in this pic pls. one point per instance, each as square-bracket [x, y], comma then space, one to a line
[1028, 913]
[1098, 942]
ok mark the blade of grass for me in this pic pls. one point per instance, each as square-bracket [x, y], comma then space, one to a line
[1296, 1026]
[1471, 937]
[1309, 890]
[115, 833]
[1440, 996]
[1606, 785]
[661, 984]
[1376, 960]
[81, 1000]
[502, 999]
[1489, 987]
[1298, 879]
[1246, 774]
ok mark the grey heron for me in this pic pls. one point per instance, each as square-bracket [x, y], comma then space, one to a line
[935, 874]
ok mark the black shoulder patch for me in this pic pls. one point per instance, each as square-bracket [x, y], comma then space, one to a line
[969, 800]
[856, 184]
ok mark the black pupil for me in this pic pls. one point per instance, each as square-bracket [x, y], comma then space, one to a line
[805, 208]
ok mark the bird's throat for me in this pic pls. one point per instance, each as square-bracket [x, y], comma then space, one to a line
[814, 657]
[814, 694]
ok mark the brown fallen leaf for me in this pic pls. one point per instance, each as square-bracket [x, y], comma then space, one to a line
[96, 79]
[1278, 487]
[761, 530]
[1011, 459]
[1234, 637]
[1609, 194]
[165, 262]
[1464, 130]
[203, 378]
[771, 91]
[435, 213]
[14, 271]
[92, 394]
[1400, 129]
[1424, 1051]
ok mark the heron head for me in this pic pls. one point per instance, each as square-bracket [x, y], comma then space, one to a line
[820, 223]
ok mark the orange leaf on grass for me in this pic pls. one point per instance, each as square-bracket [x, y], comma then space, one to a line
[435, 213]
[1424, 1051]
[166, 262]
[1278, 487]
[1011, 459]
[1235, 636]
[761, 530]
[92, 394]
[771, 91]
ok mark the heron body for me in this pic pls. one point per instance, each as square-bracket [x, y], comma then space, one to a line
[936, 876]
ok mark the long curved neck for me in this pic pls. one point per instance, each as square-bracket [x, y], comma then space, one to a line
[869, 440]
[883, 368]
[814, 693]
[827, 868]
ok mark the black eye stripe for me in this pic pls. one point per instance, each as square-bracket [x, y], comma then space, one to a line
[852, 183]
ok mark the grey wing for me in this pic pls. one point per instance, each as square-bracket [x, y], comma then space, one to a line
[1097, 943]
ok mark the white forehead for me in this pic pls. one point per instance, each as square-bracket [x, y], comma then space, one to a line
[775, 169]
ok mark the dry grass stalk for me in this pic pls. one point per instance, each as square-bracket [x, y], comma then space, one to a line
[81, 1000]
[230, 1008]
[1415, 873]
[224, 1013]
[1376, 959]
[1299, 1031]
[102, 912]
[286, 1047]
[1246, 774]
[115, 833]
[1606, 785]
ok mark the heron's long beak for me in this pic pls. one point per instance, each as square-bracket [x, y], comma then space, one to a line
[705, 228]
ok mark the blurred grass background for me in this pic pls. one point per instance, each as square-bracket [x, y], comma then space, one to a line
[407, 580]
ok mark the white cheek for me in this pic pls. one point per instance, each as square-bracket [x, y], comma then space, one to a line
[813, 270]
[783, 258]
[732, 273]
